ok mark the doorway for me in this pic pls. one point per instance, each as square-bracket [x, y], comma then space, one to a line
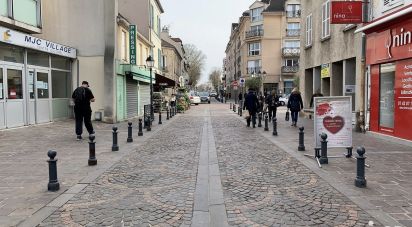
[39, 93]
[11, 96]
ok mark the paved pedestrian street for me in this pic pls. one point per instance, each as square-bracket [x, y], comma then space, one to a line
[207, 169]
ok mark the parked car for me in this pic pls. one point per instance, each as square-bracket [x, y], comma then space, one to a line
[283, 100]
[204, 97]
[213, 94]
[194, 98]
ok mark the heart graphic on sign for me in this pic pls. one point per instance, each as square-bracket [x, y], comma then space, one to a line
[333, 124]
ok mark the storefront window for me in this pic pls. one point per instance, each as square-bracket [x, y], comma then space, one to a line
[1, 84]
[386, 95]
[11, 53]
[58, 62]
[14, 84]
[37, 58]
[61, 84]
[3, 8]
[42, 85]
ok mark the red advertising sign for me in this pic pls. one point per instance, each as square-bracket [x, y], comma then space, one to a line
[394, 43]
[346, 12]
[403, 99]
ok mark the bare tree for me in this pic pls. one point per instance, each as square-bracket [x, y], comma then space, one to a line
[214, 78]
[196, 60]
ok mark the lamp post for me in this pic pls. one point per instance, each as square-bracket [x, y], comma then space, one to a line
[150, 64]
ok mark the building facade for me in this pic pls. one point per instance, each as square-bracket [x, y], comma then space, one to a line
[265, 43]
[389, 67]
[35, 73]
[332, 59]
[111, 52]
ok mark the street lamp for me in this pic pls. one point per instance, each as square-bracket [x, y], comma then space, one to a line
[150, 64]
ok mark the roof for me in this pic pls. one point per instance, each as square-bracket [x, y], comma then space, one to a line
[275, 6]
[177, 40]
[160, 6]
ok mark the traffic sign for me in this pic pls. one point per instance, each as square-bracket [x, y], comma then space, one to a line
[242, 81]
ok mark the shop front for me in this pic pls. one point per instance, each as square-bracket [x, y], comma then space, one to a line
[389, 56]
[35, 79]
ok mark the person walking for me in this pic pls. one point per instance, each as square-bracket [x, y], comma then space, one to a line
[82, 96]
[295, 104]
[316, 94]
[252, 105]
[272, 101]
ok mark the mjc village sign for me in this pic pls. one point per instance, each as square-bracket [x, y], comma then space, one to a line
[346, 12]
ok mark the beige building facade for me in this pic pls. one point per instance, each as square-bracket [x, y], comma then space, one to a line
[265, 43]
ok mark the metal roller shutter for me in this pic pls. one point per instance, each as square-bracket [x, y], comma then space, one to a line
[144, 96]
[132, 98]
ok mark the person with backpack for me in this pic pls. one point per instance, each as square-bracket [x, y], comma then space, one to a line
[252, 105]
[82, 96]
[295, 104]
[273, 102]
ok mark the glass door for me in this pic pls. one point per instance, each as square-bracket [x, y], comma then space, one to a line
[38, 82]
[387, 97]
[14, 97]
[2, 99]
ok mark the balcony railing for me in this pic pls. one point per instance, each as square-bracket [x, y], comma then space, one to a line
[293, 13]
[254, 70]
[290, 69]
[292, 32]
[256, 33]
[290, 51]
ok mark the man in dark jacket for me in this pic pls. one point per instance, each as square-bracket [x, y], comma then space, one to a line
[272, 101]
[252, 105]
[295, 104]
[82, 97]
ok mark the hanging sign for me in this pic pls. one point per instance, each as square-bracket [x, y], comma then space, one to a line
[333, 116]
[346, 12]
[132, 44]
[325, 71]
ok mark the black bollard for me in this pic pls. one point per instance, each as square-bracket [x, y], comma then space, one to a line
[167, 114]
[140, 133]
[234, 108]
[301, 146]
[160, 117]
[129, 132]
[349, 150]
[266, 122]
[53, 184]
[360, 180]
[115, 147]
[241, 111]
[260, 119]
[230, 106]
[317, 152]
[92, 151]
[323, 149]
[275, 126]
[149, 125]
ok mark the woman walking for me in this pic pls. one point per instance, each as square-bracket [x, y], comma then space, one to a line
[295, 104]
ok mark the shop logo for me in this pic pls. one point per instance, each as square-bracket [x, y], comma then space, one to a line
[392, 41]
[6, 36]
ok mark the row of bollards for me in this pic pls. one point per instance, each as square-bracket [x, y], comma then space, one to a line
[54, 185]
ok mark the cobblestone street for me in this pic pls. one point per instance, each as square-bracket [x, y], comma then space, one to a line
[174, 180]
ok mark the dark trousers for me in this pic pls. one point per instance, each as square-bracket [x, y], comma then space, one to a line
[83, 115]
[272, 112]
[252, 117]
[295, 115]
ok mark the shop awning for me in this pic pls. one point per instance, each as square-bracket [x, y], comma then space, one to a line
[164, 81]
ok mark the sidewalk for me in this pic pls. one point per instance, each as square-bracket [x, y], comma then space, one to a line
[388, 196]
[24, 170]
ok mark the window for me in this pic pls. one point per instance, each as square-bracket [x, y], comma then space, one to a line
[293, 29]
[257, 14]
[159, 58]
[254, 66]
[1, 84]
[292, 44]
[293, 10]
[254, 49]
[4, 8]
[291, 62]
[158, 25]
[164, 62]
[11, 53]
[390, 4]
[293, 26]
[151, 19]
[326, 19]
[308, 40]
[140, 54]
[37, 58]
[123, 46]
[256, 28]
[42, 85]
[288, 87]
[27, 11]
[58, 62]
[387, 95]
[61, 84]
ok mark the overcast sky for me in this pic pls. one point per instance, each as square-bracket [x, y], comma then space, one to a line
[204, 23]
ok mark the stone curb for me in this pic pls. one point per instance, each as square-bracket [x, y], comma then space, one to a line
[44, 212]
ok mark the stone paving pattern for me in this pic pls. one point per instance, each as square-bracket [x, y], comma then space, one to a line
[152, 187]
[264, 186]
